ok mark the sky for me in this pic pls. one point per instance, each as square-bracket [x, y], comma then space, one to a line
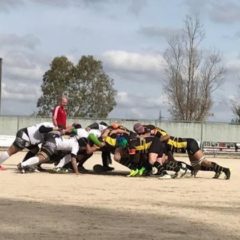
[128, 36]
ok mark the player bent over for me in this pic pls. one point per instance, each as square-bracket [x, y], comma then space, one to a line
[53, 143]
[195, 154]
[28, 138]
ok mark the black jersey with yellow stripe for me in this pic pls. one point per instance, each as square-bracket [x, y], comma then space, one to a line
[149, 145]
[156, 131]
[141, 144]
[190, 145]
[110, 143]
[175, 144]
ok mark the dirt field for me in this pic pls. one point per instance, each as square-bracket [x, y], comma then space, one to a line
[65, 206]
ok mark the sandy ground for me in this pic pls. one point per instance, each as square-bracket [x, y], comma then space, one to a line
[65, 206]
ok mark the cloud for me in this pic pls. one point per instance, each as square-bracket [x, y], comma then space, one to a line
[125, 99]
[225, 12]
[139, 77]
[22, 92]
[128, 68]
[7, 5]
[73, 3]
[28, 41]
[232, 67]
[23, 68]
[222, 103]
[159, 32]
[136, 6]
[133, 6]
[139, 106]
[219, 11]
[197, 7]
[133, 62]
[21, 61]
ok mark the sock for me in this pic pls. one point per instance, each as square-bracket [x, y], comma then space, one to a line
[189, 167]
[217, 168]
[106, 158]
[28, 155]
[66, 159]
[3, 157]
[204, 168]
[161, 169]
[30, 162]
[173, 166]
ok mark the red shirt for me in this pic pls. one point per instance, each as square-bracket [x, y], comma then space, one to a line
[60, 115]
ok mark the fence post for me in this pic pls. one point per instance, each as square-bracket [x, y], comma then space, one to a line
[17, 123]
[201, 144]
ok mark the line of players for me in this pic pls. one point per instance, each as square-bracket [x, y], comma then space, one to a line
[143, 150]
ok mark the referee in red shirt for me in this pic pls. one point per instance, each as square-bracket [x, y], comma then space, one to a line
[59, 114]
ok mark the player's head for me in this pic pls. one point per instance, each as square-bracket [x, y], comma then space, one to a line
[115, 125]
[63, 101]
[103, 123]
[76, 125]
[121, 142]
[139, 128]
[102, 126]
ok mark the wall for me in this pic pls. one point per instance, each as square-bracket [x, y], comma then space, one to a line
[215, 132]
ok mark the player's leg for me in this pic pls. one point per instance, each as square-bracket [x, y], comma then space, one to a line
[106, 159]
[43, 156]
[33, 150]
[199, 161]
[21, 141]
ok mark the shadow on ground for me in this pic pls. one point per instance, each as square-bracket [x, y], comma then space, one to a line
[32, 220]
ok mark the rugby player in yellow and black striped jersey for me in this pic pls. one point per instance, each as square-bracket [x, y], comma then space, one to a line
[147, 152]
[174, 144]
[133, 151]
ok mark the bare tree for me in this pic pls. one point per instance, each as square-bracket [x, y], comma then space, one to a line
[192, 74]
[236, 110]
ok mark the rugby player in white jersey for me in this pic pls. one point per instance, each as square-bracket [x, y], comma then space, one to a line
[86, 137]
[29, 138]
[53, 143]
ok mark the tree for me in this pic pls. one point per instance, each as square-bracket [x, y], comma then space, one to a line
[89, 89]
[236, 111]
[192, 74]
[55, 82]
[93, 94]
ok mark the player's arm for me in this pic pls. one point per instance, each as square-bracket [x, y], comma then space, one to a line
[163, 135]
[165, 138]
[106, 132]
[95, 140]
[93, 126]
[44, 129]
[74, 163]
[91, 149]
[118, 131]
[54, 116]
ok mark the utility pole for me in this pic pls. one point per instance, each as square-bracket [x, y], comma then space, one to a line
[0, 86]
[160, 116]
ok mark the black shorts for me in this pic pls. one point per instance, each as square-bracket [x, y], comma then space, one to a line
[182, 145]
[49, 146]
[157, 147]
[192, 146]
[19, 141]
[57, 156]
